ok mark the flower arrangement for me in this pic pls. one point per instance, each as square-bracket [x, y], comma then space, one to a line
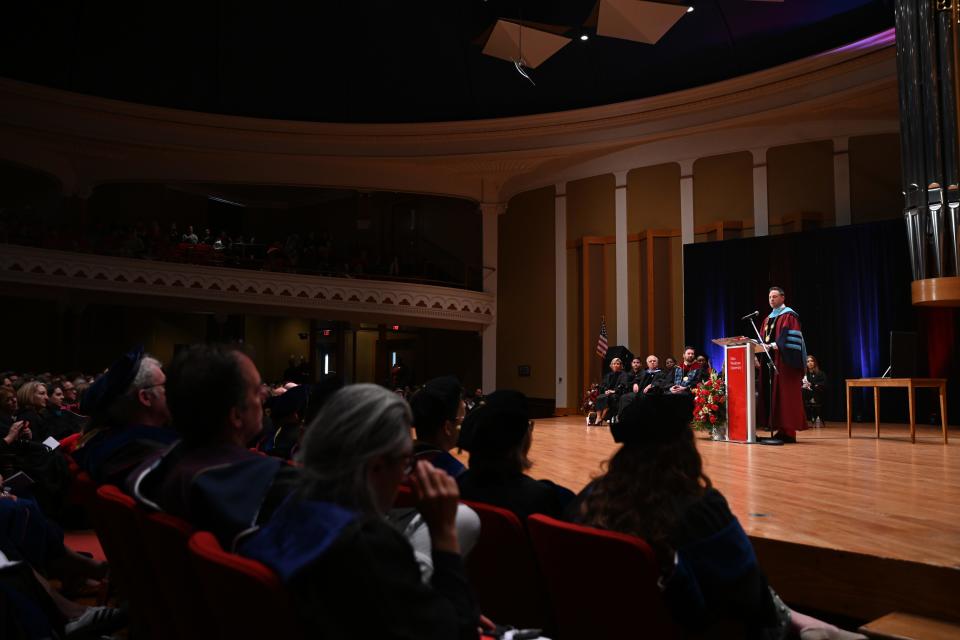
[590, 399]
[709, 403]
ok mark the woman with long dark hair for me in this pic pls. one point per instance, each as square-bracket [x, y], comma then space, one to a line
[814, 386]
[655, 488]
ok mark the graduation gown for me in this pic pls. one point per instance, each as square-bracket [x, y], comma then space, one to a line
[613, 381]
[785, 410]
[355, 576]
[224, 489]
[110, 454]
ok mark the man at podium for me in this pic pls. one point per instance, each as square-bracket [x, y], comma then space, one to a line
[780, 408]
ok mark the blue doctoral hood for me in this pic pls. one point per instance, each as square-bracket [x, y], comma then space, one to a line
[297, 534]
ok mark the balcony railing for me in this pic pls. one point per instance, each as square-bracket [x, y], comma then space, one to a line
[253, 289]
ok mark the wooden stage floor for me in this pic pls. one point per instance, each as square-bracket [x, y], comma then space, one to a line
[876, 508]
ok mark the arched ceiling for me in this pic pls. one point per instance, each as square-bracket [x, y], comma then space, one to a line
[387, 61]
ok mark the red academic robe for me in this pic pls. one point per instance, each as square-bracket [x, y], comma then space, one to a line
[787, 412]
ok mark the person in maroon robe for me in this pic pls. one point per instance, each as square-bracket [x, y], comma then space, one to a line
[781, 409]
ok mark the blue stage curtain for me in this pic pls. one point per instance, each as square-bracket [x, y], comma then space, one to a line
[850, 286]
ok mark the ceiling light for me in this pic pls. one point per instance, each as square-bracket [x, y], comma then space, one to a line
[689, 9]
[584, 37]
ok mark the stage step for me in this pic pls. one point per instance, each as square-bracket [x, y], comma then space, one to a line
[904, 626]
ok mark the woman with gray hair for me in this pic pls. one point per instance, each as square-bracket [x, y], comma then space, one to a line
[352, 574]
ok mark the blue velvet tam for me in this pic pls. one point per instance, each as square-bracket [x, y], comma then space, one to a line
[112, 384]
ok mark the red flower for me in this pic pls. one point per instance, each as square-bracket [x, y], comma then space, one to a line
[713, 419]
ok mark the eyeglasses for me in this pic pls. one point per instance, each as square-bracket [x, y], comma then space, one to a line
[409, 463]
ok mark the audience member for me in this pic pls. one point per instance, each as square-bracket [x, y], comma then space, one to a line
[32, 398]
[438, 411]
[332, 547]
[129, 418]
[190, 237]
[614, 383]
[210, 478]
[640, 380]
[687, 373]
[8, 408]
[60, 422]
[655, 488]
[71, 399]
[814, 387]
[287, 411]
[498, 436]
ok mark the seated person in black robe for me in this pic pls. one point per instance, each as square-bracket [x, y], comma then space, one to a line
[129, 417]
[438, 411]
[210, 478]
[349, 572]
[613, 385]
[641, 380]
[498, 436]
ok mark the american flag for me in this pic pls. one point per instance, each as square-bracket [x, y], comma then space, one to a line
[602, 340]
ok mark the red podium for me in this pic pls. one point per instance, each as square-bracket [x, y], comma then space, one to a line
[738, 374]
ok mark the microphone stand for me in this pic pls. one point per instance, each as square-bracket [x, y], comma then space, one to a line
[772, 370]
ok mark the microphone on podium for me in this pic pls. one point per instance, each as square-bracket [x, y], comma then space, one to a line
[750, 315]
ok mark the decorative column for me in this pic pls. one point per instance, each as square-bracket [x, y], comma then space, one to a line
[841, 180]
[620, 227]
[761, 213]
[686, 201]
[490, 211]
[560, 278]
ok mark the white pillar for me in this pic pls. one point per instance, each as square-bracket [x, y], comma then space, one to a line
[686, 201]
[490, 212]
[560, 264]
[620, 233]
[761, 213]
[841, 180]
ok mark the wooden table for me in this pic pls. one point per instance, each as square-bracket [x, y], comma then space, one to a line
[910, 384]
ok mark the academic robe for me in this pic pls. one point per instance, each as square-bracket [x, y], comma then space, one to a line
[785, 411]
[354, 576]
[110, 454]
[612, 381]
[223, 488]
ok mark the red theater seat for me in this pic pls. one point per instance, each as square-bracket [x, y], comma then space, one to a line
[167, 536]
[246, 598]
[117, 520]
[503, 571]
[601, 584]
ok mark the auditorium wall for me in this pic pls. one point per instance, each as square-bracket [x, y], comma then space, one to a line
[875, 182]
[526, 294]
[591, 208]
[799, 182]
[799, 185]
[723, 188]
[273, 340]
